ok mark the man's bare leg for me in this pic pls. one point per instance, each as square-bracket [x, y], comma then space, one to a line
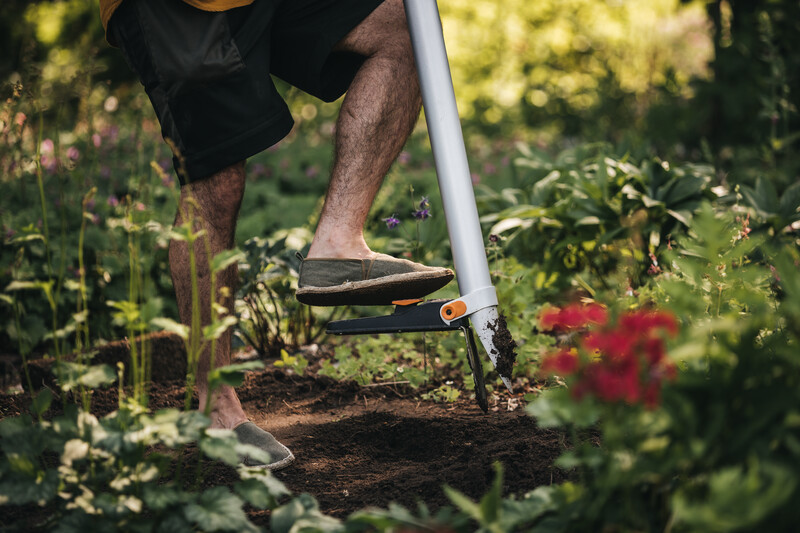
[217, 200]
[377, 116]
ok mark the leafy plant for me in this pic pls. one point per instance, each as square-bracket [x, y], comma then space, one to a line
[583, 211]
[271, 318]
[722, 433]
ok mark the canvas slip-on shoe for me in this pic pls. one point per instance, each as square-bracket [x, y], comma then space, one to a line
[280, 456]
[376, 281]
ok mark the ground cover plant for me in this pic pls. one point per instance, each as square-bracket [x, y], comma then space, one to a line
[651, 281]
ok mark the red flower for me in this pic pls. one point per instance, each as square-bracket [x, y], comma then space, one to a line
[564, 363]
[573, 316]
[548, 319]
[629, 361]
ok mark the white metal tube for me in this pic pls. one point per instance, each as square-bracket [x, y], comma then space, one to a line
[452, 168]
[447, 140]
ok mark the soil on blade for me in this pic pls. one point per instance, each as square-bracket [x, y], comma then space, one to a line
[505, 346]
[368, 446]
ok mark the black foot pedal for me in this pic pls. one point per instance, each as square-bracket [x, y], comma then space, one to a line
[407, 317]
[416, 315]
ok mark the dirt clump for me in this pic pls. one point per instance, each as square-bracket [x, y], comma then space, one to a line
[505, 346]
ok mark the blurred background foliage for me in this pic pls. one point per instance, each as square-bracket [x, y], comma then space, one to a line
[686, 74]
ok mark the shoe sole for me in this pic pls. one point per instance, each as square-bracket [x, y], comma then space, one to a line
[379, 291]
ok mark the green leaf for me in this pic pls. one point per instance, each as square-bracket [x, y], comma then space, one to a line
[555, 407]
[492, 500]
[19, 490]
[218, 327]
[217, 509]
[226, 258]
[73, 375]
[790, 201]
[255, 493]
[167, 324]
[301, 513]
[161, 497]
[463, 502]
[41, 402]
[232, 375]
[220, 444]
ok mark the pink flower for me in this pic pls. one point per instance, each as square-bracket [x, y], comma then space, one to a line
[73, 153]
[97, 140]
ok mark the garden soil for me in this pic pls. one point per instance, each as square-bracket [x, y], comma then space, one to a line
[357, 446]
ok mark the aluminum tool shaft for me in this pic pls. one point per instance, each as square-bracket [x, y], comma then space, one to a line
[452, 168]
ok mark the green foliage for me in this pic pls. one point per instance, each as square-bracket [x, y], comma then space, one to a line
[380, 358]
[271, 318]
[585, 211]
[726, 431]
[109, 476]
[571, 67]
[297, 363]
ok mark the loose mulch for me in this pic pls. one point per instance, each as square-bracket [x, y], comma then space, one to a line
[369, 446]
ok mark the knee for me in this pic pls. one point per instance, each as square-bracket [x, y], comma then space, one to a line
[219, 196]
[396, 42]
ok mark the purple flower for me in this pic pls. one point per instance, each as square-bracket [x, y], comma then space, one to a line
[73, 153]
[493, 238]
[113, 201]
[424, 203]
[392, 221]
[489, 169]
[421, 214]
[404, 158]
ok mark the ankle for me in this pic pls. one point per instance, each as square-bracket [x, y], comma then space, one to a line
[226, 409]
[339, 250]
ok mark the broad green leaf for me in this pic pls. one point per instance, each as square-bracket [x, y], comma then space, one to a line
[73, 375]
[41, 402]
[232, 375]
[41, 489]
[300, 513]
[226, 258]
[167, 324]
[218, 327]
[255, 493]
[217, 509]
[220, 444]
[464, 503]
[555, 407]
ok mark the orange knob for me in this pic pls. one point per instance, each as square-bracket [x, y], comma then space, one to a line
[454, 310]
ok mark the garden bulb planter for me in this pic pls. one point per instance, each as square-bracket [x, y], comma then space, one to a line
[478, 301]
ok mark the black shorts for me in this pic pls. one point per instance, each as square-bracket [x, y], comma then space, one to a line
[208, 73]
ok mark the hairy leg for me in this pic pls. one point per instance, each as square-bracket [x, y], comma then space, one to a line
[377, 116]
[214, 203]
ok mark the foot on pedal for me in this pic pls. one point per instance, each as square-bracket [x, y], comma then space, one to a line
[376, 281]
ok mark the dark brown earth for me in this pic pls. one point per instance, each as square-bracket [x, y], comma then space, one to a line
[368, 446]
